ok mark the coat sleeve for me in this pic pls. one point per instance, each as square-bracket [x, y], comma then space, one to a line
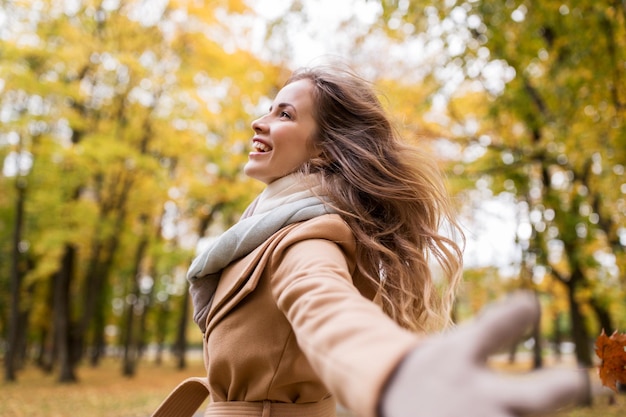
[352, 345]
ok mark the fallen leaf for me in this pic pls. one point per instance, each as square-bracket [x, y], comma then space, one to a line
[612, 353]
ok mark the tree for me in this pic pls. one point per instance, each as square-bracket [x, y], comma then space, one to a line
[127, 120]
[550, 130]
[16, 325]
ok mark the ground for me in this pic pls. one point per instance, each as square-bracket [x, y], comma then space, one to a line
[103, 392]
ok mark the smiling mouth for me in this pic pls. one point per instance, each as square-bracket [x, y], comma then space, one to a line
[261, 147]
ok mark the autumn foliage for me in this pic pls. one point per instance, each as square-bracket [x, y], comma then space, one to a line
[612, 352]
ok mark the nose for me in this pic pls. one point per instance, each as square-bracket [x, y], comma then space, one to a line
[259, 125]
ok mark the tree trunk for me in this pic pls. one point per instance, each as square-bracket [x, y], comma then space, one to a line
[143, 324]
[98, 345]
[579, 331]
[92, 290]
[47, 353]
[65, 340]
[14, 327]
[161, 330]
[180, 346]
[603, 315]
[95, 288]
[100, 264]
[558, 337]
[44, 350]
[130, 336]
[22, 343]
[130, 348]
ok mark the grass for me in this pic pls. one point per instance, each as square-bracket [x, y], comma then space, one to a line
[604, 406]
[104, 392]
[605, 402]
[101, 392]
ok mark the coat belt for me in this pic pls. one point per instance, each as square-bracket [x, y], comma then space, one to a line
[189, 395]
[324, 408]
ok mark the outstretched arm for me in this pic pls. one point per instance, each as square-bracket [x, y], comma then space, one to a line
[447, 376]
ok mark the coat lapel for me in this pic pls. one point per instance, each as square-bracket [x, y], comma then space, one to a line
[241, 278]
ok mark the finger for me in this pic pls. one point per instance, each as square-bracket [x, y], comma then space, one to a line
[503, 323]
[547, 390]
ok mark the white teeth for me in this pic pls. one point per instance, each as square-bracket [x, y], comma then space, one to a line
[261, 147]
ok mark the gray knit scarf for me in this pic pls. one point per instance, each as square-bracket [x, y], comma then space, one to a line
[285, 201]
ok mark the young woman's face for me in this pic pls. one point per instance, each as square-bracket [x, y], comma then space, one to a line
[283, 139]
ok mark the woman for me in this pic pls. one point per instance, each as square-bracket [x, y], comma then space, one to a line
[323, 291]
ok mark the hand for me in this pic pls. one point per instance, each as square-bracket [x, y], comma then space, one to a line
[446, 376]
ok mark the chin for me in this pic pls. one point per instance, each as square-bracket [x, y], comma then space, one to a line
[250, 174]
[248, 171]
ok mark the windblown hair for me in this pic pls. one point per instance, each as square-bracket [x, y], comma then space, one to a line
[391, 194]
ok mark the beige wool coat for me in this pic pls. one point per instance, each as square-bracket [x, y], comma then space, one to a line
[291, 323]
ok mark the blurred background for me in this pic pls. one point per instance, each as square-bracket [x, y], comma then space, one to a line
[124, 125]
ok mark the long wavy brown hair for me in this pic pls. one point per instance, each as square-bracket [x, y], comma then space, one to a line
[391, 194]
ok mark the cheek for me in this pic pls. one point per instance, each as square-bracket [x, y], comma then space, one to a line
[309, 151]
[300, 151]
[297, 157]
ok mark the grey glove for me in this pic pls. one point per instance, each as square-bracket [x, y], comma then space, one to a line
[446, 376]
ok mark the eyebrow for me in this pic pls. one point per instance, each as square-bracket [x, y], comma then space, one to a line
[283, 105]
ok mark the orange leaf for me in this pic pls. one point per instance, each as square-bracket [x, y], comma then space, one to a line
[612, 352]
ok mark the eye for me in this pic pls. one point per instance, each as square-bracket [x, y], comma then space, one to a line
[285, 115]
